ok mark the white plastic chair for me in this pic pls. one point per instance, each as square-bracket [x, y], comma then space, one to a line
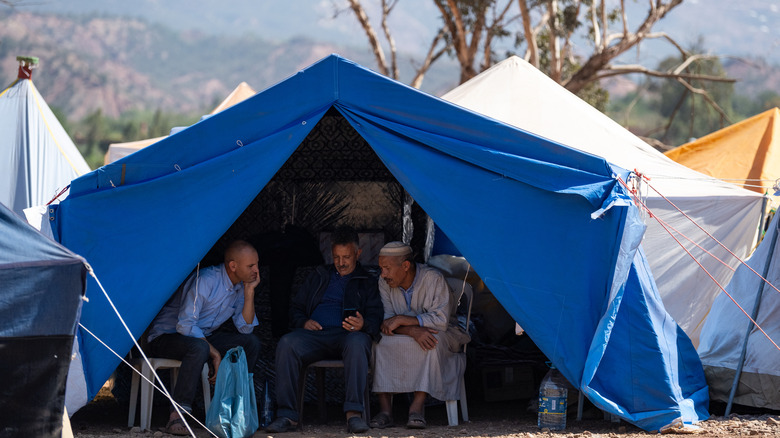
[460, 288]
[147, 390]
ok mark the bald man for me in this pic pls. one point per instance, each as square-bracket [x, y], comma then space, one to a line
[190, 326]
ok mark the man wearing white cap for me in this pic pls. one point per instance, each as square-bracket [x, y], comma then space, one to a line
[418, 336]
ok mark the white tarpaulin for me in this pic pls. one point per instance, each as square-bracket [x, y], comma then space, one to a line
[724, 332]
[37, 157]
[516, 93]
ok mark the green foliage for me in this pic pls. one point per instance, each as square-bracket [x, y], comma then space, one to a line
[595, 95]
[94, 133]
[765, 100]
[638, 113]
[648, 113]
[692, 116]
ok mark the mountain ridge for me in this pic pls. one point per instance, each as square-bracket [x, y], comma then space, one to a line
[120, 64]
[91, 62]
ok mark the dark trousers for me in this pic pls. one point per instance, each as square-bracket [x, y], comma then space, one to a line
[194, 352]
[302, 347]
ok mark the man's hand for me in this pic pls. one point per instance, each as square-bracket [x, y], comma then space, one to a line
[424, 337]
[312, 325]
[254, 283]
[353, 323]
[216, 358]
[389, 325]
[248, 312]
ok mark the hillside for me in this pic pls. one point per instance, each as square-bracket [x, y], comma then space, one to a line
[121, 64]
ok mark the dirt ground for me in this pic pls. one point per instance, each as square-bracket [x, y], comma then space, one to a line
[105, 417]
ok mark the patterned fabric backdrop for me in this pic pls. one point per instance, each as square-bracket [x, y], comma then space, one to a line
[334, 177]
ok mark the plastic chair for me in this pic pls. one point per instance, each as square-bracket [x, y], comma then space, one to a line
[147, 390]
[459, 288]
[319, 368]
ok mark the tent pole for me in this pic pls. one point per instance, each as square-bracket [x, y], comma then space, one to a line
[763, 215]
[407, 228]
[756, 306]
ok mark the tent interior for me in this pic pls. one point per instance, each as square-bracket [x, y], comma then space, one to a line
[334, 177]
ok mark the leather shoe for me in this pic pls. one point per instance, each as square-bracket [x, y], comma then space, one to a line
[357, 425]
[280, 425]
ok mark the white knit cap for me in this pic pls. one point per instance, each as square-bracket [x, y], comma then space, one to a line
[395, 249]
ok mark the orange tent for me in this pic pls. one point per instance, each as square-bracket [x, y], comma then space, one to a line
[118, 150]
[746, 153]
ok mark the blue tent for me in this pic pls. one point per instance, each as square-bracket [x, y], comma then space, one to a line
[574, 280]
[41, 285]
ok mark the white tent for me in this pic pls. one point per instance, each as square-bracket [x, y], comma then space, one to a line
[37, 157]
[118, 150]
[516, 93]
[723, 334]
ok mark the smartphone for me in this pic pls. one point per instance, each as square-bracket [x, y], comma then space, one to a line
[348, 312]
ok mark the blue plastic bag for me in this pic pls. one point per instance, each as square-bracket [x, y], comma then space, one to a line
[233, 410]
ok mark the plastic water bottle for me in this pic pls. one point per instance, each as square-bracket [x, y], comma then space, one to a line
[552, 401]
[267, 410]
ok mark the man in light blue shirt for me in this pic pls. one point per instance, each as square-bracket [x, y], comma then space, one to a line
[193, 325]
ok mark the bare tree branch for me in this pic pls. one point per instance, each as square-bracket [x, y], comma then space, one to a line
[555, 51]
[386, 9]
[567, 51]
[430, 58]
[539, 27]
[618, 70]
[594, 22]
[707, 98]
[589, 70]
[676, 109]
[530, 36]
[491, 31]
[379, 54]
[604, 26]
[624, 18]
[454, 23]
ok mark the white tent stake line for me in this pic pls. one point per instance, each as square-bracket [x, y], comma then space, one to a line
[145, 378]
[713, 238]
[176, 406]
[708, 272]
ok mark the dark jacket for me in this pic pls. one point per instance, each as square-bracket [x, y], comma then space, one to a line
[361, 293]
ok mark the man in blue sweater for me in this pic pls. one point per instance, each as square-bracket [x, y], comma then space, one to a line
[335, 315]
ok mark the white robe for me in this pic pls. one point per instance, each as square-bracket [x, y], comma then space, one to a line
[400, 364]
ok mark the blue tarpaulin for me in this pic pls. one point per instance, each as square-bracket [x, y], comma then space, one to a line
[578, 284]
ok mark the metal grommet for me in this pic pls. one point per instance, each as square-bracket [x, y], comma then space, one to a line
[177, 167]
[303, 122]
[239, 143]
